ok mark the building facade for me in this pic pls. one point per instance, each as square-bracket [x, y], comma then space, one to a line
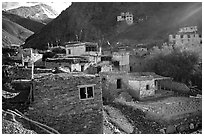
[126, 16]
[186, 35]
[122, 57]
[139, 85]
[71, 103]
[91, 50]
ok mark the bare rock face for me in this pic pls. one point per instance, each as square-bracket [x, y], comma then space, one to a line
[38, 12]
[119, 119]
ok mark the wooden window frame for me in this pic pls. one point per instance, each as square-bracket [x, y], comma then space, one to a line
[86, 86]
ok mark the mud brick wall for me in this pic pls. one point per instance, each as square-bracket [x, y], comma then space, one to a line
[57, 103]
[144, 92]
[109, 84]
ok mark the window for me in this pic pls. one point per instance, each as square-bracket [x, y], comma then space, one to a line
[69, 51]
[82, 68]
[83, 93]
[86, 92]
[119, 86]
[147, 87]
[91, 48]
[181, 36]
[200, 35]
[189, 36]
[90, 92]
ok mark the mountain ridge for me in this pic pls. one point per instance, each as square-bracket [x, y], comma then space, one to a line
[97, 22]
[38, 12]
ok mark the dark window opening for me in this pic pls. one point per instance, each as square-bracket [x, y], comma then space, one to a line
[181, 36]
[69, 51]
[86, 92]
[130, 68]
[119, 86]
[89, 92]
[147, 87]
[106, 58]
[83, 93]
[189, 36]
[91, 48]
[201, 42]
[98, 69]
[82, 68]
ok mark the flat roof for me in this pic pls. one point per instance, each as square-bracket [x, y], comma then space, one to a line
[63, 75]
[80, 44]
[142, 76]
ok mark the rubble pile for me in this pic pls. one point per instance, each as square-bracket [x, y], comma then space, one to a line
[117, 118]
[10, 125]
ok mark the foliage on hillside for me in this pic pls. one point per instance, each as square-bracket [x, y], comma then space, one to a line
[182, 64]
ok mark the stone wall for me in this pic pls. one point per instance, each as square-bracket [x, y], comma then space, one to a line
[133, 83]
[147, 92]
[57, 103]
[20, 73]
[109, 84]
[52, 65]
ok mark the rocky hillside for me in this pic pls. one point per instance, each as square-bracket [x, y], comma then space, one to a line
[42, 12]
[97, 21]
[29, 24]
[13, 33]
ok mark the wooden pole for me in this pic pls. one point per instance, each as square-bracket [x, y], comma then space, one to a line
[32, 76]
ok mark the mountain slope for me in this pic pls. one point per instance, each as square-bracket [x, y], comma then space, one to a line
[13, 33]
[97, 21]
[41, 13]
[31, 25]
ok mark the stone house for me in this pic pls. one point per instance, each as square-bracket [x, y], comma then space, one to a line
[68, 102]
[126, 16]
[88, 49]
[73, 64]
[138, 85]
[121, 60]
[186, 35]
[103, 66]
[144, 85]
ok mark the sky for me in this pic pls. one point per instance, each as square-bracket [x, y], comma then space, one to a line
[57, 5]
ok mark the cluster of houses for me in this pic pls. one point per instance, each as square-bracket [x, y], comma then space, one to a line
[83, 77]
[113, 68]
[127, 17]
[186, 35]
